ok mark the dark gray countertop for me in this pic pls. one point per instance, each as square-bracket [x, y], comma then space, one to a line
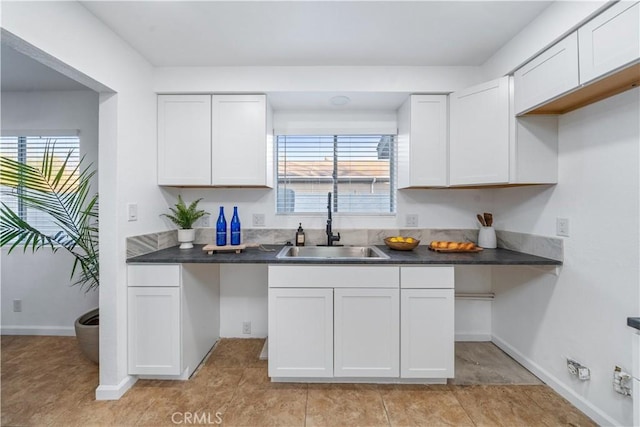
[420, 255]
[634, 322]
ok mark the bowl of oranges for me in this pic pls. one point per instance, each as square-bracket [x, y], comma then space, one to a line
[401, 243]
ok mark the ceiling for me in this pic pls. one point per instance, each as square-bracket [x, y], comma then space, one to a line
[18, 72]
[316, 33]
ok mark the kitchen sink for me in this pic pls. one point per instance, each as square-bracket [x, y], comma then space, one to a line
[331, 252]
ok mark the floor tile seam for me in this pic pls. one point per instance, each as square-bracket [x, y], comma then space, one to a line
[455, 395]
[384, 405]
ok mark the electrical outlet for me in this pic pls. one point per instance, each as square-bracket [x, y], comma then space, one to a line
[258, 220]
[562, 227]
[204, 221]
[17, 305]
[132, 212]
[411, 220]
[246, 327]
[621, 381]
[576, 369]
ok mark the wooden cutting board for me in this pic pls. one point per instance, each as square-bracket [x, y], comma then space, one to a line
[210, 249]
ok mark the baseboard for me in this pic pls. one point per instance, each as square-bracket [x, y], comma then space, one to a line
[65, 331]
[558, 386]
[115, 392]
[471, 336]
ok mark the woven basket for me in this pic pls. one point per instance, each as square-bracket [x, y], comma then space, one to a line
[401, 246]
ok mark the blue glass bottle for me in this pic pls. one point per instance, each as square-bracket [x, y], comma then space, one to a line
[235, 227]
[221, 229]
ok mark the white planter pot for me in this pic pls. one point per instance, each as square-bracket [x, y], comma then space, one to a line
[186, 238]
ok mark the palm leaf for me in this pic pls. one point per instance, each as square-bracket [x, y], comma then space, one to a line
[62, 192]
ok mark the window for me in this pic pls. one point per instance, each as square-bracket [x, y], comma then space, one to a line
[358, 169]
[30, 149]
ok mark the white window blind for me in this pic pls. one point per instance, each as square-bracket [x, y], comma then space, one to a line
[30, 149]
[359, 170]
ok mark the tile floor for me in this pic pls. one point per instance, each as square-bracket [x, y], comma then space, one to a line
[46, 381]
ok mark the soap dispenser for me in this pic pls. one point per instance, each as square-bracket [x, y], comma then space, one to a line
[300, 236]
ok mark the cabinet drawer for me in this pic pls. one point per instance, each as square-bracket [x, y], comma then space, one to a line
[440, 277]
[161, 275]
[333, 276]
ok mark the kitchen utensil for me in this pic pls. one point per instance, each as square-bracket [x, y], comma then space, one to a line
[488, 219]
[481, 219]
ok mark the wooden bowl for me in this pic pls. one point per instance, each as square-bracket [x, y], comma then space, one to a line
[401, 246]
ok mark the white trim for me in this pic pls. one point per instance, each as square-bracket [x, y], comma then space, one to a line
[473, 336]
[115, 392]
[596, 414]
[64, 331]
[41, 132]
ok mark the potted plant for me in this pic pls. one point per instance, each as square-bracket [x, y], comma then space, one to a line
[63, 192]
[184, 217]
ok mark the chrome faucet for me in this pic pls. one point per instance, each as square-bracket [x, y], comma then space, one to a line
[330, 236]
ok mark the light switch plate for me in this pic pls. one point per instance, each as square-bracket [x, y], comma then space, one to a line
[132, 211]
[562, 227]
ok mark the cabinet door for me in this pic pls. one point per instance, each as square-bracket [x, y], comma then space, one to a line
[427, 333]
[366, 332]
[479, 127]
[154, 330]
[239, 155]
[184, 139]
[609, 41]
[300, 332]
[550, 74]
[422, 142]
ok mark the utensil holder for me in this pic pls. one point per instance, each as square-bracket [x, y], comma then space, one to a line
[487, 238]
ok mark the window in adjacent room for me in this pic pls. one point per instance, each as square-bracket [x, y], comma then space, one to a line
[30, 149]
[359, 170]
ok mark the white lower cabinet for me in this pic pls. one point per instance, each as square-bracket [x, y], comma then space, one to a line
[173, 318]
[366, 322]
[366, 341]
[300, 332]
[427, 333]
[154, 330]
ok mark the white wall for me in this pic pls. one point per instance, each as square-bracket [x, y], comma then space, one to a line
[66, 34]
[582, 313]
[49, 304]
[315, 79]
[555, 22]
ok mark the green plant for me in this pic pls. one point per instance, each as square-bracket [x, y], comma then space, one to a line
[63, 192]
[184, 216]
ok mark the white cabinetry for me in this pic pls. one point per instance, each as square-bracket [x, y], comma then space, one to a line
[490, 146]
[422, 142]
[173, 318]
[219, 140]
[609, 41]
[479, 141]
[366, 332]
[547, 76]
[242, 144]
[300, 332]
[340, 322]
[427, 322]
[184, 139]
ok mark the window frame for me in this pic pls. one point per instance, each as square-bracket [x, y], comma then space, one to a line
[335, 180]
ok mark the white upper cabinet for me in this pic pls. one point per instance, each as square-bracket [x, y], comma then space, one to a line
[422, 142]
[479, 134]
[547, 76]
[609, 41]
[184, 139]
[242, 144]
[222, 140]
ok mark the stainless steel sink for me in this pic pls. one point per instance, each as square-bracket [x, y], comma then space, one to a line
[331, 252]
